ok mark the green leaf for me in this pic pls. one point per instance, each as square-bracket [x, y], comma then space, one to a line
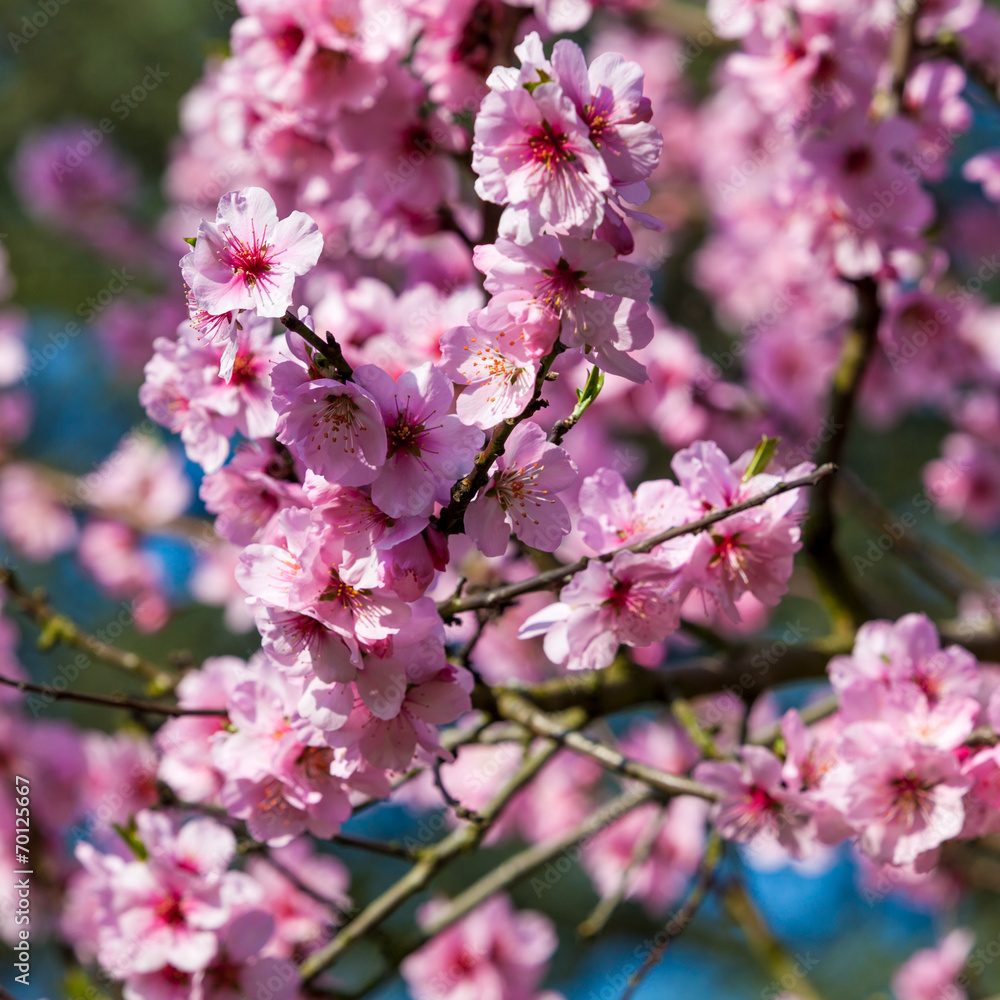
[761, 457]
[543, 77]
[590, 391]
[192, 240]
[128, 834]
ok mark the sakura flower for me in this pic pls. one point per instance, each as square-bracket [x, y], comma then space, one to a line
[33, 518]
[336, 429]
[906, 801]
[634, 600]
[495, 953]
[608, 97]
[600, 302]
[930, 973]
[393, 719]
[755, 801]
[165, 911]
[247, 493]
[752, 551]
[247, 258]
[521, 495]
[496, 364]
[613, 516]
[532, 152]
[429, 449]
[309, 574]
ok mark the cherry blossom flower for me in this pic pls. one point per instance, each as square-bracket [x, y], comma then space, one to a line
[247, 258]
[495, 953]
[429, 449]
[930, 973]
[532, 152]
[634, 599]
[496, 364]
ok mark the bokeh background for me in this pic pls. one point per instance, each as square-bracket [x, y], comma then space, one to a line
[70, 73]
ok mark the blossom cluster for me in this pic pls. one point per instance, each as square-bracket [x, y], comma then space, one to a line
[414, 355]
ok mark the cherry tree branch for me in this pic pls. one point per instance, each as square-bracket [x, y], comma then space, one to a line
[432, 860]
[108, 701]
[678, 923]
[598, 918]
[56, 627]
[769, 951]
[522, 864]
[450, 519]
[506, 594]
[513, 706]
[846, 604]
[329, 349]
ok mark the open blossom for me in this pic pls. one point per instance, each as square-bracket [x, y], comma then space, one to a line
[752, 551]
[336, 429]
[521, 495]
[307, 573]
[906, 800]
[429, 448]
[612, 515]
[608, 97]
[930, 973]
[633, 600]
[755, 802]
[532, 152]
[247, 258]
[579, 287]
[495, 361]
[495, 953]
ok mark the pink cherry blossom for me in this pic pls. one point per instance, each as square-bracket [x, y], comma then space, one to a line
[429, 448]
[521, 495]
[532, 152]
[633, 600]
[247, 258]
[495, 953]
[496, 364]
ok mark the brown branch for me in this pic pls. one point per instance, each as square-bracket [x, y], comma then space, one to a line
[678, 923]
[108, 701]
[598, 918]
[521, 865]
[505, 595]
[450, 519]
[56, 627]
[432, 860]
[329, 349]
[513, 706]
[847, 607]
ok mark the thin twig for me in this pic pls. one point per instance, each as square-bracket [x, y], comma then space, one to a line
[769, 951]
[517, 708]
[678, 923]
[432, 860]
[606, 906]
[108, 701]
[386, 849]
[450, 519]
[56, 627]
[504, 595]
[521, 865]
[329, 349]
